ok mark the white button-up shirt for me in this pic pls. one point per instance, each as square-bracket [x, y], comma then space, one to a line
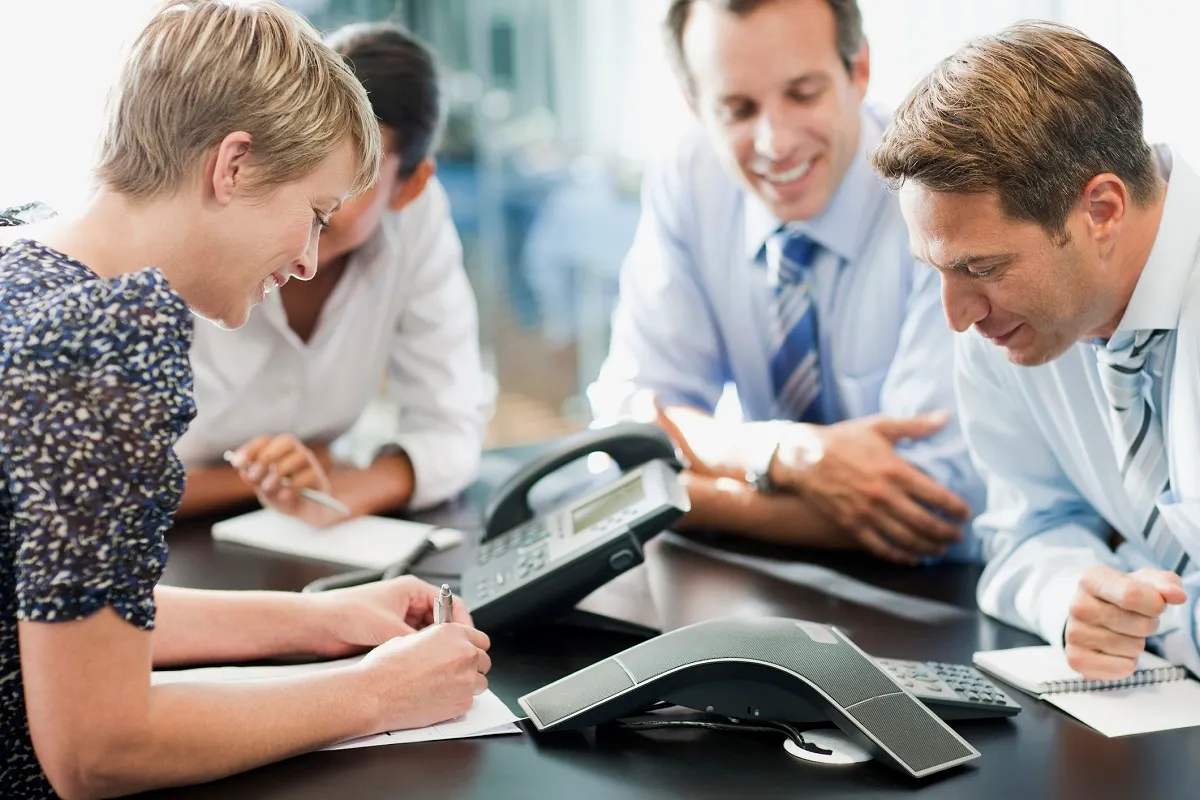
[694, 313]
[402, 318]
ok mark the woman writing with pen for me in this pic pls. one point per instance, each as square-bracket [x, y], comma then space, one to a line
[233, 135]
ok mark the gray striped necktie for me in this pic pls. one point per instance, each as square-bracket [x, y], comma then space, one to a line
[1138, 436]
[795, 364]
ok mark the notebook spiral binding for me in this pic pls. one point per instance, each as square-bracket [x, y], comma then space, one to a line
[1142, 677]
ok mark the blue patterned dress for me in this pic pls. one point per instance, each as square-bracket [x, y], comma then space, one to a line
[95, 387]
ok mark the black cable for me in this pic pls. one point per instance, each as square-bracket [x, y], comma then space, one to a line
[650, 722]
[361, 576]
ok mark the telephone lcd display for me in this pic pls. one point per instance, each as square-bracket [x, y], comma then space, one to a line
[619, 497]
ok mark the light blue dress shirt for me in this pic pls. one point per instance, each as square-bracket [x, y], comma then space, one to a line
[695, 307]
[1042, 438]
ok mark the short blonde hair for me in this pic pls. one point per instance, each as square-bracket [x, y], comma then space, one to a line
[1033, 113]
[202, 69]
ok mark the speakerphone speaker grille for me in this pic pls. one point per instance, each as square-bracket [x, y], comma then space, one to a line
[586, 688]
[902, 724]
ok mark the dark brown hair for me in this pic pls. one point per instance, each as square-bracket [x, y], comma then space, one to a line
[400, 76]
[1033, 113]
[846, 16]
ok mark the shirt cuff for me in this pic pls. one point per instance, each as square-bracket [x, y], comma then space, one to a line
[443, 465]
[1054, 605]
[1182, 644]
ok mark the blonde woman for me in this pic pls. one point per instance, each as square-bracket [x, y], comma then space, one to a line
[233, 136]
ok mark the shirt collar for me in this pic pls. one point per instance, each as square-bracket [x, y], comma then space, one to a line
[845, 224]
[1157, 299]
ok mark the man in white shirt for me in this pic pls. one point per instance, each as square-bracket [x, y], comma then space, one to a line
[1071, 246]
[390, 299]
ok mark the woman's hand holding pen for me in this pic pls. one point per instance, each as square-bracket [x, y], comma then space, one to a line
[423, 673]
[280, 469]
[360, 617]
[426, 678]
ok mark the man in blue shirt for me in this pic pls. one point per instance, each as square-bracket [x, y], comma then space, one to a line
[1070, 245]
[771, 259]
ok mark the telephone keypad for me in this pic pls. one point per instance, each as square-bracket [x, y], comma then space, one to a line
[518, 538]
[531, 562]
[956, 684]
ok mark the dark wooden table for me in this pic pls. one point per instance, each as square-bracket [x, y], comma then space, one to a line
[1042, 753]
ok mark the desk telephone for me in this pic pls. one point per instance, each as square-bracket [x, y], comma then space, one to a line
[531, 566]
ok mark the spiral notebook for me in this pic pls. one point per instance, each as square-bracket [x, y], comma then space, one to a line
[1159, 696]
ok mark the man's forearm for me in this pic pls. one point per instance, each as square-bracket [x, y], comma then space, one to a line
[720, 449]
[198, 626]
[731, 506]
[1031, 583]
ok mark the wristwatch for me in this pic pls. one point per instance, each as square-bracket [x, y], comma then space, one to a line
[758, 466]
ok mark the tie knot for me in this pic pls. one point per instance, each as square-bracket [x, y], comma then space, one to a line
[1127, 351]
[789, 253]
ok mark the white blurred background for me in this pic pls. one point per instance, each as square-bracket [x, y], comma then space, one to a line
[555, 105]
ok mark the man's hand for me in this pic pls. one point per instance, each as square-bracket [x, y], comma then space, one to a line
[1111, 616]
[360, 617]
[850, 472]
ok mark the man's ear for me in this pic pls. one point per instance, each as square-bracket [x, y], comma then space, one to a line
[860, 70]
[1105, 201]
[411, 187]
[227, 170]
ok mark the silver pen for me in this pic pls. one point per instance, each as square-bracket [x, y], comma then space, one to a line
[312, 495]
[443, 606]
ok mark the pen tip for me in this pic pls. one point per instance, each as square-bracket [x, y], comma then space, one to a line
[445, 588]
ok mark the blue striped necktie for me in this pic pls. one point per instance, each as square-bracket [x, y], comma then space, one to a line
[1138, 437]
[795, 365]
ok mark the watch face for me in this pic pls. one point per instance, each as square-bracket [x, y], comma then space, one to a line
[760, 481]
[758, 473]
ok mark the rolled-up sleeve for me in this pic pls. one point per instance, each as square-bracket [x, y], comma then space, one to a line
[435, 379]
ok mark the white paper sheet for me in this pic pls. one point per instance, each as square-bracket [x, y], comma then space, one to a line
[1138, 709]
[369, 542]
[488, 715]
[1113, 712]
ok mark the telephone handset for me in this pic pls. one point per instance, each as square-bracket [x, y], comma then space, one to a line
[629, 444]
[530, 567]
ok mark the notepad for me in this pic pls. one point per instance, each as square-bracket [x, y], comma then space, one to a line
[488, 715]
[1158, 696]
[368, 542]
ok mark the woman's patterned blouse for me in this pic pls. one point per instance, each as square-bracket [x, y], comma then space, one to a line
[95, 387]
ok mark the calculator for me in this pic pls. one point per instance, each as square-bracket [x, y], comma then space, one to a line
[952, 691]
